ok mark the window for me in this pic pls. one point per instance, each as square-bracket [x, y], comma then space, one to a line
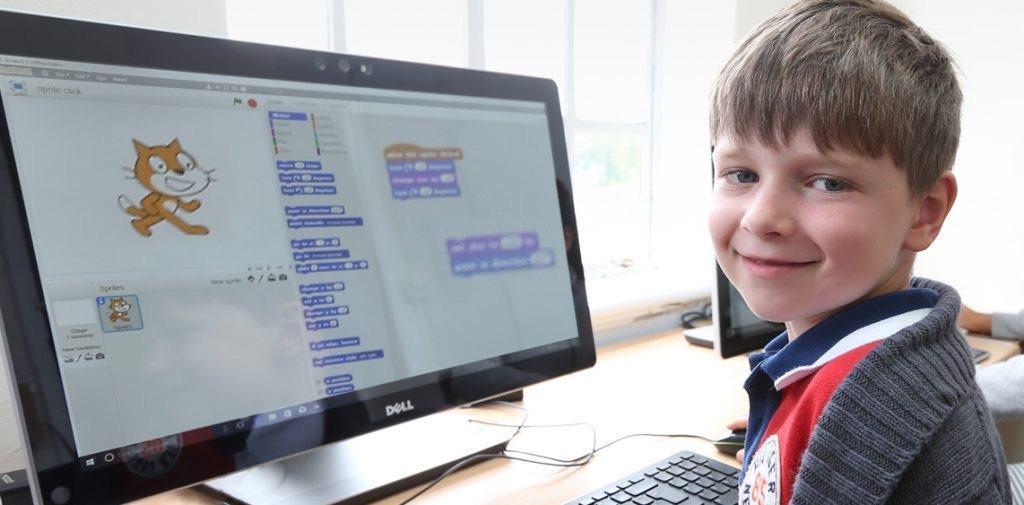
[300, 24]
[633, 78]
[526, 37]
[427, 32]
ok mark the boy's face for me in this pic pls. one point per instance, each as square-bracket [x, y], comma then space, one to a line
[802, 233]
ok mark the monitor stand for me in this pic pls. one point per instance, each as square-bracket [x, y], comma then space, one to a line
[702, 336]
[367, 467]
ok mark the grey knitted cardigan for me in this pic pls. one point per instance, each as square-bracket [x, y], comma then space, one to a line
[908, 424]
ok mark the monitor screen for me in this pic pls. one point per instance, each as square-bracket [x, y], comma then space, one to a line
[223, 252]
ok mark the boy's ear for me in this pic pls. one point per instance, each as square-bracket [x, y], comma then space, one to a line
[932, 209]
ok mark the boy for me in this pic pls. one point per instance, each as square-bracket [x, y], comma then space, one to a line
[835, 126]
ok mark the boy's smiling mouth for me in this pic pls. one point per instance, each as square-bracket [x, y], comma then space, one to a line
[772, 267]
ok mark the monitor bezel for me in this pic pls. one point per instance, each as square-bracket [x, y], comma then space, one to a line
[31, 354]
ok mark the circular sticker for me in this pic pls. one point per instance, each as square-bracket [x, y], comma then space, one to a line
[761, 484]
[153, 457]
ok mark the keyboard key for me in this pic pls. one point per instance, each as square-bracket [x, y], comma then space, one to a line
[641, 487]
[677, 482]
[663, 477]
[611, 490]
[585, 501]
[716, 476]
[731, 482]
[598, 495]
[624, 484]
[708, 495]
[676, 460]
[705, 482]
[651, 472]
[729, 498]
[636, 479]
[688, 465]
[700, 470]
[689, 476]
[720, 489]
[663, 467]
[621, 497]
[668, 493]
[693, 489]
[607, 501]
[722, 467]
[700, 460]
[675, 470]
[643, 500]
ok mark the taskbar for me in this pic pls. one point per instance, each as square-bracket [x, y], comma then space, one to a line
[152, 455]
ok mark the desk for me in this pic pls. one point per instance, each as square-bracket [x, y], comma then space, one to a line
[656, 384]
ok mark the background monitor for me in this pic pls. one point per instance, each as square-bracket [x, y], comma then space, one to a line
[736, 330]
[215, 254]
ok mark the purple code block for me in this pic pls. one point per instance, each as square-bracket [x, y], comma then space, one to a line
[292, 116]
[321, 255]
[337, 390]
[324, 222]
[340, 310]
[440, 191]
[340, 359]
[310, 301]
[519, 241]
[305, 178]
[422, 180]
[322, 324]
[338, 379]
[299, 165]
[314, 210]
[333, 343]
[332, 267]
[321, 287]
[465, 265]
[421, 166]
[293, 190]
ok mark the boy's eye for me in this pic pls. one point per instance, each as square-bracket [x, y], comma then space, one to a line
[830, 184]
[741, 177]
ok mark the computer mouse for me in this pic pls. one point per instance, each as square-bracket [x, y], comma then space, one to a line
[731, 443]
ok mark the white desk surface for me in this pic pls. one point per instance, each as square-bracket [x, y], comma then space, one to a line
[677, 387]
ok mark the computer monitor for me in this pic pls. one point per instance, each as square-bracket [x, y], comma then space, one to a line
[205, 243]
[736, 329]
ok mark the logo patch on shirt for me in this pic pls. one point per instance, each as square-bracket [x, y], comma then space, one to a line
[761, 484]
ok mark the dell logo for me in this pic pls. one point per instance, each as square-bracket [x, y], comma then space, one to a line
[398, 408]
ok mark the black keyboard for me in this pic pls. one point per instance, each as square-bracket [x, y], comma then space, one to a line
[684, 478]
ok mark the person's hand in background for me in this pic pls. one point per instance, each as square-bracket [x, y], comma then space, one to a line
[974, 321]
[739, 424]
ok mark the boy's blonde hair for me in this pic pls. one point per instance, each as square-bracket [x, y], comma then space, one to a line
[857, 73]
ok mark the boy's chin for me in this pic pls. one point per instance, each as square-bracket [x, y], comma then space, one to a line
[772, 312]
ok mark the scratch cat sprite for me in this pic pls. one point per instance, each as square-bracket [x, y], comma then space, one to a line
[172, 176]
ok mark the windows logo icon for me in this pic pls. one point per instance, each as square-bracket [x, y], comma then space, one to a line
[18, 87]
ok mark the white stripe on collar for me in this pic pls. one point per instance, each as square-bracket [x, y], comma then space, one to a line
[871, 333]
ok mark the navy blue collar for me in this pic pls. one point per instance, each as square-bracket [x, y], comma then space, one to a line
[781, 356]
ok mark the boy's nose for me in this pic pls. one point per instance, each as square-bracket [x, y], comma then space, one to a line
[768, 215]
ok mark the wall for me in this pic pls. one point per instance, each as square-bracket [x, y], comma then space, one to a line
[204, 17]
[981, 248]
